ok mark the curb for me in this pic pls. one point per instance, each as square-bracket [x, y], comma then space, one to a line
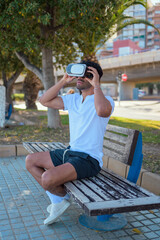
[147, 180]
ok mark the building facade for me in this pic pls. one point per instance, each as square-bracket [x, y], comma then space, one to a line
[145, 36]
[153, 37]
[136, 32]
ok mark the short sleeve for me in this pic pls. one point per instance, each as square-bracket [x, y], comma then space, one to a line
[67, 100]
[111, 102]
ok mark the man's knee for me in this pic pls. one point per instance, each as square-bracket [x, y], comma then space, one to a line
[29, 161]
[48, 181]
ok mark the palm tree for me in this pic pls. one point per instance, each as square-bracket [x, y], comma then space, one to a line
[110, 20]
[31, 86]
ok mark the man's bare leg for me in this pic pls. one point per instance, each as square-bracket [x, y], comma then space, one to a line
[51, 178]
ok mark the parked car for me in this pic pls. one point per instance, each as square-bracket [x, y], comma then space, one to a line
[141, 93]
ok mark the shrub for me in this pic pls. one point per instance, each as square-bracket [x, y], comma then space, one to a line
[18, 97]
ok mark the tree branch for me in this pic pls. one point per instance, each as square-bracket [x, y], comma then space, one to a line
[14, 77]
[24, 59]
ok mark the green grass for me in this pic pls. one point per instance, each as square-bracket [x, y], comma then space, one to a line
[64, 119]
[150, 129]
[18, 96]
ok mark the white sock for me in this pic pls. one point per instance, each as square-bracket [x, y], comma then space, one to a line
[55, 198]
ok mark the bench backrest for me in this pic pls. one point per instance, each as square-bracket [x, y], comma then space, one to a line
[124, 145]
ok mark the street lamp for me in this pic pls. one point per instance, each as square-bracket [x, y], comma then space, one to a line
[119, 80]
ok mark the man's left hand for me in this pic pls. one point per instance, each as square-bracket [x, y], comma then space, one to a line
[95, 80]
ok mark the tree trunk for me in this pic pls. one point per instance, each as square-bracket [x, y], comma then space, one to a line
[49, 81]
[8, 83]
[31, 86]
[91, 57]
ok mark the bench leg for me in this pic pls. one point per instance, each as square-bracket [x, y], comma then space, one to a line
[104, 222]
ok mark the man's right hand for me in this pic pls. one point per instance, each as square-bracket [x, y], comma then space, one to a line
[50, 98]
[66, 78]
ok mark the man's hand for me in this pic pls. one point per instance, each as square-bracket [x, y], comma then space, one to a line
[95, 80]
[66, 78]
[50, 98]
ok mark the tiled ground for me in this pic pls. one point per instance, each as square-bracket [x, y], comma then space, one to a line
[23, 209]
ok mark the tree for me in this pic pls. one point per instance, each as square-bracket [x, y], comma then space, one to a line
[10, 68]
[31, 87]
[51, 28]
[110, 20]
[32, 27]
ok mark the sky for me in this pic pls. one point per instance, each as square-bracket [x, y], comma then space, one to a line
[155, 1]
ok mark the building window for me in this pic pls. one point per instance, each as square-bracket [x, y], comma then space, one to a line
[139, 13]
[141, 44]
[149, 13]
[156, 47]
[156, 40]
[149, 28]
[157, 12]
[156, 33]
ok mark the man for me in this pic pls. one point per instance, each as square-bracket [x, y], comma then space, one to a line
[89, 114]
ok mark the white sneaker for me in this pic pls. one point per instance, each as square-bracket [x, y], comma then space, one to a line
[49, 206]
[56, 211]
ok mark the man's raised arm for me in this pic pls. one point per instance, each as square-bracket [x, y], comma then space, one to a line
[50, 97]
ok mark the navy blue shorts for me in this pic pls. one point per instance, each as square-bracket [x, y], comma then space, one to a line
[85, 165]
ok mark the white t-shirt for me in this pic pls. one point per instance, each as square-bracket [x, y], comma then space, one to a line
[86, 127]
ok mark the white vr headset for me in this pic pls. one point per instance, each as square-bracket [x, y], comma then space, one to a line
[76, 69]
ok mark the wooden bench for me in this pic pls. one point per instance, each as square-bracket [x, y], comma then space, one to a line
[109, 193]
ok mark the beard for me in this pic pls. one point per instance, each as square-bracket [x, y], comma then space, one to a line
[83, 84]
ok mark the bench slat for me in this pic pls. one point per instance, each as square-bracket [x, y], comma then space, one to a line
[79, 196]
[87, 191]
[57, 145]
[37, 147]
[29, 147]
[122, 180]
[122, 205]
[113, 154]
[115, 137]
[111, 194]
[44, 146]
[120, 187]
[125, 131]
[95, 188]
[113, 146]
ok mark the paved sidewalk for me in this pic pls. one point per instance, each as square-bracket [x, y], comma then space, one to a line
[23, 209]
[140, 109]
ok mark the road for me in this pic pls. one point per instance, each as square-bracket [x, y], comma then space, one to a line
[141, 109]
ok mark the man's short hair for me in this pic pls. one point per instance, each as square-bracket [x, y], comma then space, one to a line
[94, 65]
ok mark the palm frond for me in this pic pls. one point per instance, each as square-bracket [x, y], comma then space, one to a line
[136, 21]
[135, 2]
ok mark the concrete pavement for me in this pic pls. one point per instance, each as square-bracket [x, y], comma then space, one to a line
[23, 209]
[140, 109]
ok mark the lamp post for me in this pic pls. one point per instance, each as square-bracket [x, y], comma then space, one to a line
[119, 80]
